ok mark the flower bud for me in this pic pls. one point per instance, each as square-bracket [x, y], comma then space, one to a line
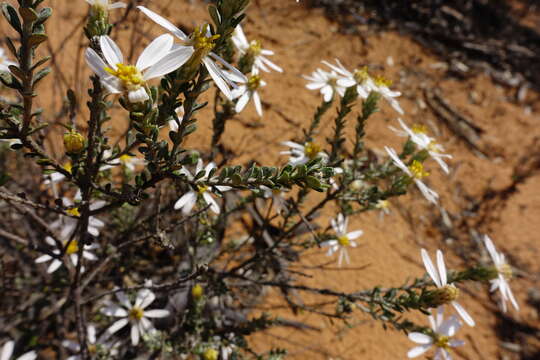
[197, 291]
[73, 142]
[210, 354]
[441, 296]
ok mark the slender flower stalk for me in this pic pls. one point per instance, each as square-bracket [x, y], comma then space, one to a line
[416, 172]
[200, 45]
[343, 239]
[440, 337]
[504, 273]
[446, 293]
[156, 60]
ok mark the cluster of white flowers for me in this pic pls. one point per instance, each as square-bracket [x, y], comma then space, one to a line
[443, 330]
[339, 79]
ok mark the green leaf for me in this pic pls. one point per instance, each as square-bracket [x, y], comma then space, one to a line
[40, 75]
[37, 38]
[29, 15]
[15, 70]
[11, 16]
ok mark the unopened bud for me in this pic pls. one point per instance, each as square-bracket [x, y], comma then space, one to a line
[441, 296]
[210, 354]
[197, 291]
[73, 142]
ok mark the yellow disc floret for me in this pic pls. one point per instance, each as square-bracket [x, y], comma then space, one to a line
[73, 211]
[72, 248]
[361, 75]
[311, 150]
[130, 76]
[417, 170]
[255, 47]
[382, 204]
[201, 189]
[419, 129]
[203, 44]
[136, 313]
[505, 270]
[382, 81]
[343, 240]
[67, 166]
[210, 354]
[254, 82]
[125, 158]
[197, 291]
[442, 342]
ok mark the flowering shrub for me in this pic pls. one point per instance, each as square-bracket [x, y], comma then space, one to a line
[133, 231]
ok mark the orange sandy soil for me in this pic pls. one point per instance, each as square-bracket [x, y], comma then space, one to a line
[389, 251]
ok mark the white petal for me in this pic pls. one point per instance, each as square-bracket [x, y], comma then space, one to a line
[242, 102]
[134, 334]
[157, 313]
[96, 63]
[210, 201]
[117, 5]
[155, 51]
[114, 310]
[163, 22]
[7, 350]
[442, 268]
[417, 351]
[186, 202]
[43, 258]
[355, 234]
[229, 66]
[137, 96]
[55, 264]
[111, 51]
[117, 326]
[217, 76]
[31, 355]
[144, 298]
[430, 268]
[170, 62]
[420, 338]
[463, 313]
[257, 102]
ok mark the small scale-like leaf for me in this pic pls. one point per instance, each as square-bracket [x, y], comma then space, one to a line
[11, 16]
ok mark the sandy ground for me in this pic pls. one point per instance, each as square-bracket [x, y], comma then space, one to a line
[479, 196]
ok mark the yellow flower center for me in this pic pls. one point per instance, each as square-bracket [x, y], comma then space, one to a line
[442, 342]
[201, 189]
[311, 150]
[72, 248]
[433, 146]
[343, 240]
[382, 204]
[417, 170]
[210, 354]
[255, 47]
[197, 291]
[130, 76]
[68, 167]
[382, 81]
[92, 349]
[506, 271]
[125, 158]
[73, 211]
[419, 129]
[203, 44]
[254, 82]
[276, 192]
[361, 75]
[136, 313]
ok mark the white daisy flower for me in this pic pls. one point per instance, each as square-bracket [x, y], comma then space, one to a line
[359, 78]
[326, 82]
[7, 352]
[441, 337]
[105, 5]
[301, 154]
[418, 135]
[278, 200]
[383, 206]
[343, 240]
[4, 62]
[189, 199]
[248, 90]
[504, 274]
[365, 83]
[156, 60]
[134, 314]
[449, 292]
[200, 43]
[416, 172]
[254, 49]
